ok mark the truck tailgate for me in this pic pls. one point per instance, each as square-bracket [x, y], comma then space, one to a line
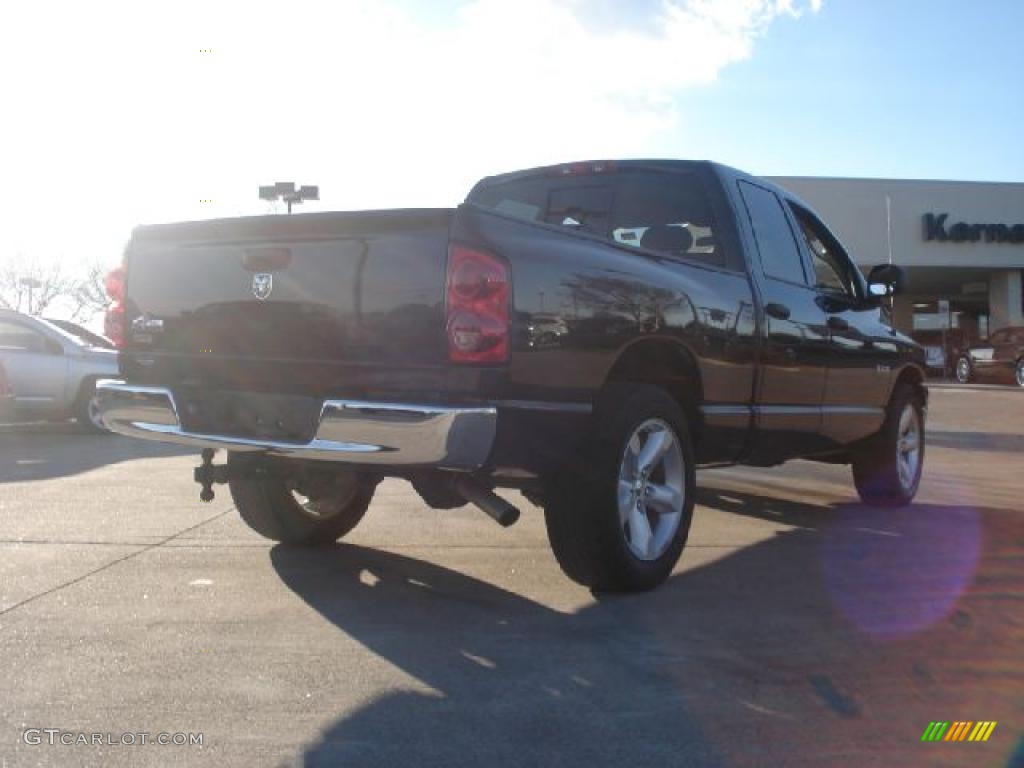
[315, 305]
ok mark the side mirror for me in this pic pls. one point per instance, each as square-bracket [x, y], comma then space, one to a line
[886, 280]
[52, 347]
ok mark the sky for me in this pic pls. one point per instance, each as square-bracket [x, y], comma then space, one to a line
[124, 113]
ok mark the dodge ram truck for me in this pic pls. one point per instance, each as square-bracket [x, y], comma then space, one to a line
[588, 334]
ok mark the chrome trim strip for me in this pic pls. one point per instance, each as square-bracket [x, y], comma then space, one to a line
[727, 416]
[799, 410]
[355, 431]
[546, 405]
[726, 410]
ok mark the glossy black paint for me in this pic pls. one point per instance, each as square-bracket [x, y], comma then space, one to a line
[354, 309]
[357, 310]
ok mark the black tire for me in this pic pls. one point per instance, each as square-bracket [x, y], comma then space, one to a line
[86, 411]
[265, 500]
[963, 371]
[581, 511]
[1018, 372]
[877, 472]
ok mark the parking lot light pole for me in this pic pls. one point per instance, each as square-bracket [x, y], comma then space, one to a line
[30, 283]
[285, 190]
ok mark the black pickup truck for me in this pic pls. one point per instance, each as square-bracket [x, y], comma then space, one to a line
[588, 334]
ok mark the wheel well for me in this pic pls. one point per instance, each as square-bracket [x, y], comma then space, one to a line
[913, 377]
[86, 381]
[665, 364]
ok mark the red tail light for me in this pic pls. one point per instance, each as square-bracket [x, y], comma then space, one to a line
[113, 323]
[115, 284]
[478, 299]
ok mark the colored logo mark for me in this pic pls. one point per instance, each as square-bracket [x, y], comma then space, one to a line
[959, 731]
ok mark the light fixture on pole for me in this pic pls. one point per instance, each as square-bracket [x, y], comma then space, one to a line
[285, 190]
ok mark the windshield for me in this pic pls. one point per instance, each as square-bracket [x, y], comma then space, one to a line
[83, 335]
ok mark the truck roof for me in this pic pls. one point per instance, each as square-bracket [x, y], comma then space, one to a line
[595, 167]
[598, 167]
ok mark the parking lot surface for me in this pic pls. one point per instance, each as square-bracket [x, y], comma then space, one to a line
[800, 627]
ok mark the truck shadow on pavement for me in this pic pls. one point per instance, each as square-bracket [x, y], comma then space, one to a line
[46, 451]
[834, 643]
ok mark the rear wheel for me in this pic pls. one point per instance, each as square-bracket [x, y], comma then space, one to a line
[300, 508]
[887, 468]
[620, 520]
[963, 370]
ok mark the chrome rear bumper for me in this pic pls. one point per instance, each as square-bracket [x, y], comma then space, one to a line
[358, 432]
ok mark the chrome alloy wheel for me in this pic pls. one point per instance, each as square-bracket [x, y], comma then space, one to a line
[908, 447]
[93, 413]
[1020, 372]
[651, 489]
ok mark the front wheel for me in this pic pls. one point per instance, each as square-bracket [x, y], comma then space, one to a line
[87, 409]
[302, 508]
[620, 520]
[1019, 372]
[887, 468]
[963, 370]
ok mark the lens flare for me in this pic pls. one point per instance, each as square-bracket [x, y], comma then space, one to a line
[896, 572]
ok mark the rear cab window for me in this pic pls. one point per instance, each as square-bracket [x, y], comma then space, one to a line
[578, 203]
[666, 212]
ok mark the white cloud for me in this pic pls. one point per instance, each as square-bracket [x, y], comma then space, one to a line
[115, 117]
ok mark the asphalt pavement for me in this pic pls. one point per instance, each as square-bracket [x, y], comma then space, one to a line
[800, 627]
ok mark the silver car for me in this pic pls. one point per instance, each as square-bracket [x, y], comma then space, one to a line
[52, 371]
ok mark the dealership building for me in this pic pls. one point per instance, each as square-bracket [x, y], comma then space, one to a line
[960, 242]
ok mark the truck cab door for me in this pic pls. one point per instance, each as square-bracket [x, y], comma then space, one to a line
[795, 352]
[863, 354]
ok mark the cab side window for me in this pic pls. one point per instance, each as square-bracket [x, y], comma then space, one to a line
[832, 267]
[776, 243]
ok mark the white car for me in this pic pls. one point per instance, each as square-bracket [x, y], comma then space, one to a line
[52, 371]
[5, 394]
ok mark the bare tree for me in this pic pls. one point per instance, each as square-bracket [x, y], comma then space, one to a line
[89, 295]
[34, 286]
[30, 285]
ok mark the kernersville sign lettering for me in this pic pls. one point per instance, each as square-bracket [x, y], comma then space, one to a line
[935, 228]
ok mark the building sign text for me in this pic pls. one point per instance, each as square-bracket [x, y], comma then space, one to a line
[936, 228]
